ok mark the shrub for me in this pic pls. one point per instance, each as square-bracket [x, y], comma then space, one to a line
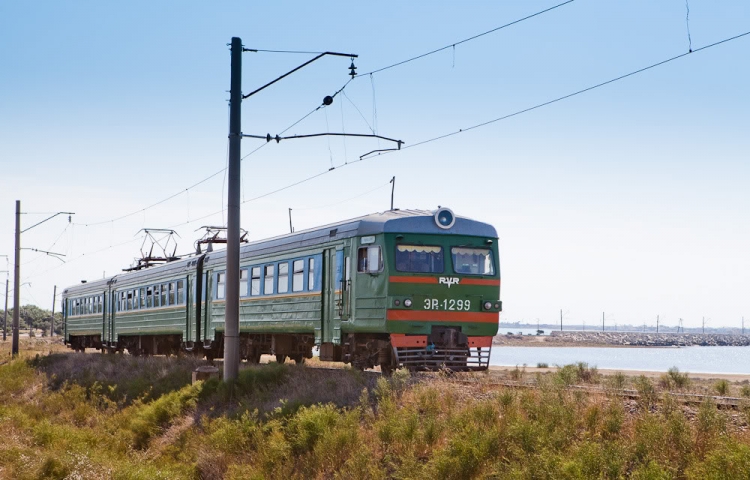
[722, 387]
[646, 392]
[542, 365]
[147, 419]
[745, 391]
[517, 374]
[617, 381]
[679, 380]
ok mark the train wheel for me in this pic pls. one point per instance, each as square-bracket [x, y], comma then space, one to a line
[280, 358]
[298, 359]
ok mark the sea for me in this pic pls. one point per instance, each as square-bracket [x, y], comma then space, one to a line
[693, 359]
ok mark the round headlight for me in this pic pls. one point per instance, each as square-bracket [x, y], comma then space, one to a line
[397, 302]
[444, 218]
[497, 305]
[487, 305]
[407, 303]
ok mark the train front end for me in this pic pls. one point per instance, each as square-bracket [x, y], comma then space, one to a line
[443, 294]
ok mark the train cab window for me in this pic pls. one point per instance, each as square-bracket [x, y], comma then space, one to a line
[268, 283]
[298, 275]
[156, 296]
[282, 285]
[180, 292]
[142, 296]
[255, 281]
[123, 301]
[369, 259]
[243, 282]
[311, 274]
[129, 304]
[419, 258]
[101, 304]
[221, 279]
[149, 297]
[164, 297]
[473, 261]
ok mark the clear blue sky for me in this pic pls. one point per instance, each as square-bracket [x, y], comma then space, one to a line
[632, 199]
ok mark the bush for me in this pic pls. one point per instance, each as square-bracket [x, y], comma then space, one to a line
[542, 365]
[722, 387]
[745, 391]
[517, 373]
[617, 381]
[646, 392]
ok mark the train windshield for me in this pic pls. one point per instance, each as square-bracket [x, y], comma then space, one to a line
[473, 261]
[419, 258]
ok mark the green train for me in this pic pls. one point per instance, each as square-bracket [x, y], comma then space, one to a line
[412, 288]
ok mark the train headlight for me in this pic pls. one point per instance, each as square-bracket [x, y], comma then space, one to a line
[444, 218]
[397, 302]
[488, 305]
[497, 305]
[407, 302]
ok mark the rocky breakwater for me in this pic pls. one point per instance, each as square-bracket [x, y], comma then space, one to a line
[636, 339]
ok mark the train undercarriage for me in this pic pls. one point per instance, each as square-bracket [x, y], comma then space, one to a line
[446, 348]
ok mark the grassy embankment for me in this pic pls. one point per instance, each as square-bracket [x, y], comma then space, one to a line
[105, 416]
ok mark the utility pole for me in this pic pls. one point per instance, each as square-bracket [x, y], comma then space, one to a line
[5, 315]
[5, 312]
[561, 320]
[291, 228]
[52, 322]
[602, 321]
[232, 308]
[704, 325]
[743, 318]
[16, 283]
[393, 188]
[657, 324]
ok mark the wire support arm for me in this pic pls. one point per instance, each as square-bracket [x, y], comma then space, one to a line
[268, 137]
[336, 54]
[49, 218]
[51, 254]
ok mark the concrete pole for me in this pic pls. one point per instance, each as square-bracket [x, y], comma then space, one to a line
[17, 282]
[52, 322]
[393, 189]
[232, 312]
[5, 315]
[602, 321]
[561, 319]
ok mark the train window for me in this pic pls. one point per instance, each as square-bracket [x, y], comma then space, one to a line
[419, 258]
[243, 283]
[255, 281]
[164, 298]
[298, 277]
[142, 296]
[180, 292]
[171, 297]
[311, 274]
[136, 298]
[221, 279]
[369, 259]
[149, 297]
[268, 282]
[130, 300]
[156, 296]
[123, 301]
[101, 304]
[282, 285]
[473, 261]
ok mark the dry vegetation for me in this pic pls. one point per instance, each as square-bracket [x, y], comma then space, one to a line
[98, 416]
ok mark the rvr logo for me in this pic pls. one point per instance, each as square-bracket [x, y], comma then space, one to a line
[448, 281]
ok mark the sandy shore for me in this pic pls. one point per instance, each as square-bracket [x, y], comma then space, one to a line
[731, 377]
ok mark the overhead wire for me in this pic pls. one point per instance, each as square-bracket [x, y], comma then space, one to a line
[504, 117]
[474, 37]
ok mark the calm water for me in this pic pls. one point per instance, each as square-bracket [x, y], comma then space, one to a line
[687, 359]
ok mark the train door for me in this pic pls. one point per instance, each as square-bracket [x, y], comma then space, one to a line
[109, 307]
[345, 301]
[329, 296]
[106, 326]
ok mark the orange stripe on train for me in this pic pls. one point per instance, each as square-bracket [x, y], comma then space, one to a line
[442, 316]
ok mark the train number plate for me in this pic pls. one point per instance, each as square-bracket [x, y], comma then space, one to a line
[449, 304]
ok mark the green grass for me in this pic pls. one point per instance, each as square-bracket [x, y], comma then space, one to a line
[290, 422]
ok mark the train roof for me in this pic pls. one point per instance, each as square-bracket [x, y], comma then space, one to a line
[390, 221]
